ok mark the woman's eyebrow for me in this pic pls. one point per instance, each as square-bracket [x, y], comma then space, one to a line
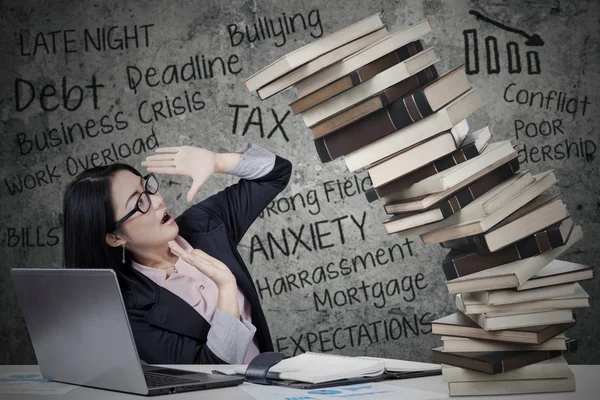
[134, 193]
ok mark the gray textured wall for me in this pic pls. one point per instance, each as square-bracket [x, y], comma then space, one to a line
[37, 162]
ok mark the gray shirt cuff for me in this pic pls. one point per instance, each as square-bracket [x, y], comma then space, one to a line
[255, 163]
[229, 337]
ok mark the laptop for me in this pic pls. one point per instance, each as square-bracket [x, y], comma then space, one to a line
[81, 335]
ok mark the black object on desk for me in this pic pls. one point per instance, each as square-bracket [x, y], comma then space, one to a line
[258, 368]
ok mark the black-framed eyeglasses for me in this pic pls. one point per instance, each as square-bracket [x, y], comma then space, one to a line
[143, 202]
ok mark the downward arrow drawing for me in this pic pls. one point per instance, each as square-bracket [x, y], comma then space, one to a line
[532, 40]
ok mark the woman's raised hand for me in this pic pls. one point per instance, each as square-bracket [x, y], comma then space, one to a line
[217, 272]
[208, 265]
[195, 162]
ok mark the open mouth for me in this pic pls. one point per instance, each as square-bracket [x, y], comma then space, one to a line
[165, 218]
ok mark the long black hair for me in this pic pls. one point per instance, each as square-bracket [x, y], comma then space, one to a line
[88, 215]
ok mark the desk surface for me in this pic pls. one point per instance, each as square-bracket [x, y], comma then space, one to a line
[587, 381]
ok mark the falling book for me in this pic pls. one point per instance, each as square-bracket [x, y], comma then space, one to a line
[558, 272]
[468, 304]
[372, 87]
[510, 275]
[460, 325]
[507, 232]
[355, 61]
[444, 119]
[454, 344]
[461, 175]
[362, 74]
[496, 362]
[446, 207]
[459, 263]
[415, 157]
[503, 213]
[319, 63]
[312, 50]
[350, 130]
[473, 146]
[330, 126]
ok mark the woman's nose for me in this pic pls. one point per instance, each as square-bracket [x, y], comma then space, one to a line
[156, 200]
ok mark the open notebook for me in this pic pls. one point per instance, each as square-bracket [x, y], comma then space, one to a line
[318, 368]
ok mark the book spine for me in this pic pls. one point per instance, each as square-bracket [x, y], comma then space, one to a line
[450, 269]
[458, 156]
[458, 263]
[474, 243]
[389, 60]
[378, 124]
[467, 195]
[548, 239]
[409, 110]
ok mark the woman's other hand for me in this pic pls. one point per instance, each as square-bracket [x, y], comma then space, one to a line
[217, 272]
[195, 162]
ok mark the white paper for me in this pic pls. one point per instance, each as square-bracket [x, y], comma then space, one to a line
[23, 383]
[378, 391]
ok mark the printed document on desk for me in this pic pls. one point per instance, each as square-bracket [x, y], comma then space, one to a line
[376, 391]
[22, 383]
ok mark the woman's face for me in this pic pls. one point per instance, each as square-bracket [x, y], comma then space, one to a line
[156, 227]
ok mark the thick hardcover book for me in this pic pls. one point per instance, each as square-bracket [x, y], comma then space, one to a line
[507, 232]
[458, 324]
[377, 102]
[471, 149]
[317, 48]
[463, 262]
[496, 362]
[397, 115]
[372, 87]
[466, 195]
[355, 61]
[356, 77]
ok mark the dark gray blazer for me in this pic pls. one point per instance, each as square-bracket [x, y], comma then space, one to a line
[166, 329]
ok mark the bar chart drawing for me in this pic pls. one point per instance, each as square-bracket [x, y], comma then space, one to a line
[493, 65]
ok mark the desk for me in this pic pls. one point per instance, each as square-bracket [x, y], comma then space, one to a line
[587, 380]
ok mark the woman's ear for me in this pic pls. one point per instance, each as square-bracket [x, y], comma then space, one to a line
[114, 240]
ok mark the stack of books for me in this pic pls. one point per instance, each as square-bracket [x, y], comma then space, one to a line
[375, 99]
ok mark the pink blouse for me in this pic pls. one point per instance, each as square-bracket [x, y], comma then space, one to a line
[197, 290]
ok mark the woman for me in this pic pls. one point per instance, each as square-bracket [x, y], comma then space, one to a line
[188, 294]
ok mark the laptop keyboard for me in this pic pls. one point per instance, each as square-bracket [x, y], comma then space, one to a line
[156, 380]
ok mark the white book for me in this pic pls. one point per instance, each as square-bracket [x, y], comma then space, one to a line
[393, 365]
[414, 158]
[512, 386]
[319, 367]
[558, 272]
[320, 63]
[479, 208]
[312, 50]
[369, 88]
[444, 119]
[461, 175]
[466, 345]
[481, 215]
[512, 274]
[510, 320]
[510, 296]
[466, 303]
[553, 368]
[355, 61]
